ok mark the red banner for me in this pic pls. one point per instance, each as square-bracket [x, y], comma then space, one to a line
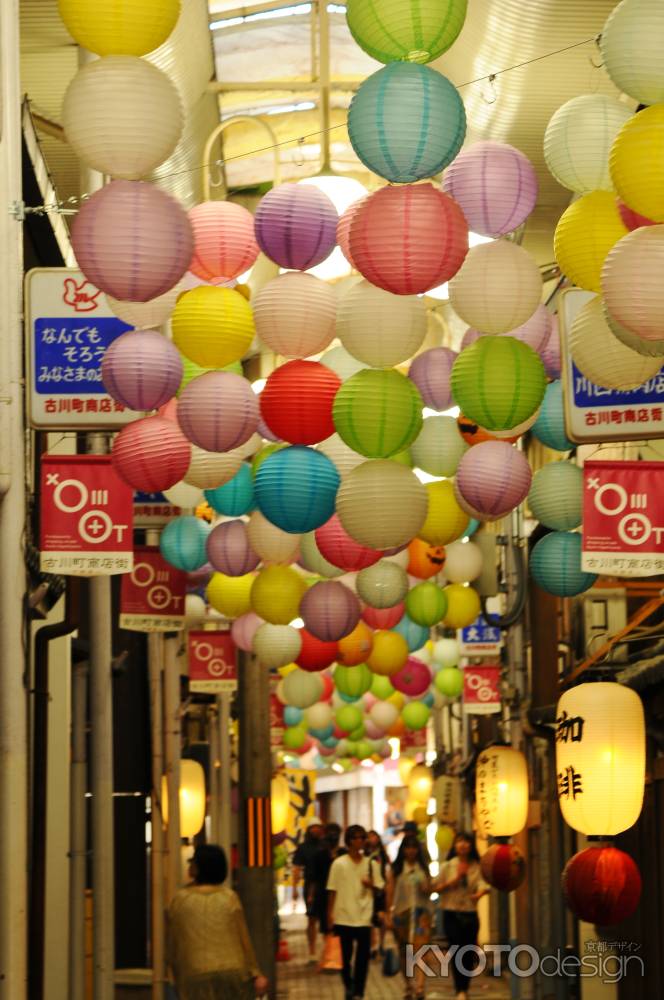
[623, 518]
[86, 517]
[152, 596]
[212, 662]
[481, 689]
[413, 739]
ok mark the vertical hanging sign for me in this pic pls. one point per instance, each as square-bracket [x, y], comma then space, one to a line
[212, 662]
[152, 596]
[481, 689]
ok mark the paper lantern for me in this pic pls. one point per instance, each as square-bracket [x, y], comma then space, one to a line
[555, 564]
[276, 594]
[319, 716]
[383, 714]
[141, 369]
[244, 629]
[438, 447]
[535, 332]
[348, 718]
[550, 353]
[213, 326]
[406, 30]
[183, 543]
[415, 715]
[601, 356]
[602, 885]
[295, 315]
[426, 604]
[495, 185]
[378, 413]
[497, 288]
[271, 543]
[501, 790]
[296, 226]
[464, 562]
[449, 682]
[132, 240]
[185, 496]
[578, 140]
[556, 496]
[296, 403]
[192, 798]
[382, 504]
[445, 520]
[279, 802]
[503, 866]
[146, 315]
[585, 233]
[315, 654]
[631, 218]
[209, 469]
[431, 372]
[416, 636]
[635, 26]
[313, 560]
[277, 645]
[354, 648]
[296, 489]
[229, 550]
[379, 328]
[120, 27]
[343, 229]
[101, 132]
[218, 411]
[295, 738]
[388, 654]
[446, 652]
[383, 618]
[341, 454]
[420, 783]
[341, 362]
[425, 560]
[635, 342]
[224, 242]
[408, 239]
[444, 839]
[330, 610]
[151, 454]
[405, 765]
[406, 122]
[463, 605]
[382, 585]
[600, 757]
[413, 679]
[549, 428]
[230, 595]
[492, 479]
[336, 545]
[631, 284]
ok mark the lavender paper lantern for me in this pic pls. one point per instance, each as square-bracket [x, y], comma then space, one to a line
[296, 226]
[229, 550]
[141, 369]
[550, 353]
[218, 411]
[430, 371]
[492, 479]
[330, 610]
[535, 331]
[132, 240]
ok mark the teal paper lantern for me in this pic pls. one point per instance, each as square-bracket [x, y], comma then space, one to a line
[415, 635]
[378, 413]
[549, 428]
[556, 496]
[428, 699]
[353, 682]
[236, 497]
[405, 30]
[296, 488]
[182, 543]
[498, 382]
[293, 716]
[555, 565]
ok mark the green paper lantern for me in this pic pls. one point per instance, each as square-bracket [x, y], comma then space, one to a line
[363, 749]
[415, 715]
[295, 737]
[426, 604]
[357, 734]
[354, 681]
[409, 30]
[556, 496]
[449, 681]
[264, 453]
[498, 382]
[378, 413]
[381, 687]
[348, 718]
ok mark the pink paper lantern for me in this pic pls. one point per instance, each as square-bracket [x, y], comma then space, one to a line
[224, 241]
[372, 731]
[330, 610]
[408, 239]
[535, 331]
[218, 411]
[550, 353]
[492, 479]
[336, 545]
[229, 550]
[243, 630]
[296, 226]
[383, 618]
[469, 337]
[430, 371]
[132, 240]
[151, 454]
[495, 185]
[343, 229]
[141, 369]
[632, 283]
[413, 679]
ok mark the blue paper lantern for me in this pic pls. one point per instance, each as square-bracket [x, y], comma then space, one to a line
[471, 529]
[549, 428]
[182, 543]
[322, 734]
[330, 743]
[555, 564]
[296, 488]
[236, 497]
[428, 699]
[406, 122]
[415, 635]
[350, 698]
[293, 716]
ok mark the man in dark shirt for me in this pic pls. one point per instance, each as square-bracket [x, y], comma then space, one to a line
[304, 864]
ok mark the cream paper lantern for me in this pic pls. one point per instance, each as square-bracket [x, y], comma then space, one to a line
[463, 562]
[185, 496]
[578, 140]
[147, 315]
[382, 504]
[271, 543]
[384, 714]
[601, 356]
[631, 44]
[497, 288]
[341, 362]
[501, 791]
[122, 116]
[341, 454]
[209, 469]
[438, 448]
[295, 314]
[600, 757]
[420, 783]
[192, 798]
[382, 585]
[302, 688]
[277, 645]
[319, 716]
[447, 793]
[379, 328]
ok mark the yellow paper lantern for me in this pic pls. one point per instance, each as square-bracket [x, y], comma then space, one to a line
[445, 520]
[587, 230]
[405, 765]
[636, 163]
[192, 798]
[463, 605]
[501, 791]
[420, 815]
[230, 595]
[388, 654]
[279, 802]
[212, 326]
[600, 757]
[444, 839]
[288, 668]
[420, 783]
[398, 699]
[120, 27]
[276, 594]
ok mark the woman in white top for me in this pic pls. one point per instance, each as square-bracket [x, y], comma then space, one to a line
[409, 909]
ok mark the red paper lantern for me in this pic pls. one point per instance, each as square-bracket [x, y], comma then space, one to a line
[602, 885]
[296, 403]
[336, 545]
[413, 679]
[224, 241]
[328, 687]
[151, 454]
[504, 867]
[315, 654]
[383, 618]
[408, 239]
[343, 229]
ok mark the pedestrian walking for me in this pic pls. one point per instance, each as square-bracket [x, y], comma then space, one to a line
[409, 908]
[304, 864]
[376, 851]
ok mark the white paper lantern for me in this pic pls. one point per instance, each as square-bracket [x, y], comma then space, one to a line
[438, 447]
[631, 43]
[185, 496]
[463, 562]
[601, 356]
[301, 688]
[271, 543]
[295, 314]
[446, 653]
[497, 288]
[501, 791]
[382, 504]
[382, 585]
[209, 469]
[384, 714]
[379, 328]
[341, 454]
[277, 645]
[341, 362]
[122, 116]
[578, 140]
[632, 282]
[399, 558]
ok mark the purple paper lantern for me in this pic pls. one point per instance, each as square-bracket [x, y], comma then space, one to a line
[330, 610]
[495, 185]
[132, 240]
[492, 479]
[296, 226]
[430, 371]
[551, 352]
[218, 411]
[535, 331]
[142, 370]
[243, 630]
[229, 551]
[413, 679]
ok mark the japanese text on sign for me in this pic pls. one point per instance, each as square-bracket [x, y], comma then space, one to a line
[479, 638]
[212, 662]
[152, 596]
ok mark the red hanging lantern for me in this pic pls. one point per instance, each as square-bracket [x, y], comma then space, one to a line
[335, 544]
[383, 618]
[504, 867]
[602, 885]
[315, 654]
[151, 454]
[296, 403]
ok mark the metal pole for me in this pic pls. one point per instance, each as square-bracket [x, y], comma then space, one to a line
[13, 704]
[324, 80]
[224, 776]
[172, 762]
[78, 832]
[215, 767]
[157, 851]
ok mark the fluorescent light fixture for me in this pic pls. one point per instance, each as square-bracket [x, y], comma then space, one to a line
[288, 10]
